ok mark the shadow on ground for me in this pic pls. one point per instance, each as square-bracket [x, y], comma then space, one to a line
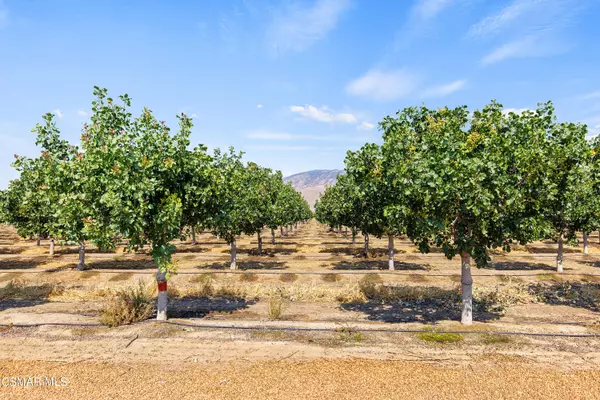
[520, 266]
[246, 265]
[426, 310]
[199, 307]
[378, 265]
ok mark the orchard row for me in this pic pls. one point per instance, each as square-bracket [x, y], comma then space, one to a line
[133, 181]
[470, 182]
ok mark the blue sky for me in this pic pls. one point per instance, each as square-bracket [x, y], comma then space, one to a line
[292, 83]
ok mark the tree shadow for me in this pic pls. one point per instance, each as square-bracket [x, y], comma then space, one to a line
[550, 250]
[121, 264]
[378, 265]
[191, 249]
[199, 307]
[574, 294]
[266, 252]
[8, 304]
[17, 294]
[426, 310]
[88, 250]
[18, 263]
[595, 264]
[520, 266]
[246, 265]
[11, 250]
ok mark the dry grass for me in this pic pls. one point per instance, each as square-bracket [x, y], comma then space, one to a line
[131, 304]
[276, 305]
[331, 278]
[19, 289]
[248, 277]
[288, 278]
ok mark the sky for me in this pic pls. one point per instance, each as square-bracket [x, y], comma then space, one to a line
[292, 83]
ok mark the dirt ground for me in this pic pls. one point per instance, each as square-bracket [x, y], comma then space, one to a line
[534, 336]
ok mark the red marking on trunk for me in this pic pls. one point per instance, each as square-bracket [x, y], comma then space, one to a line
[162, 286]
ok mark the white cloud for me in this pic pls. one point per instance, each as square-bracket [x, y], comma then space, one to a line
[366, 126]
[259, 106]
[383, 85]
[194, 116]
[323, 114]
[529, 46]
[298, 27]
[82, 113]
[58, 113]
[517, 111]
[444, 90]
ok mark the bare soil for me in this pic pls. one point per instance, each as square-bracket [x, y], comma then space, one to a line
[326, 345]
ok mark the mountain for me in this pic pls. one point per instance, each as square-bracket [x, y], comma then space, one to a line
[312, 183]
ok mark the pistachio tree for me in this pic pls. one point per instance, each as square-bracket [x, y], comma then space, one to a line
[462, 181]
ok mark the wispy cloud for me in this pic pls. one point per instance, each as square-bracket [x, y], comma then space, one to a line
[58, 113]
[592, 95]
[366, 126]
[323, 114]
[528, 28]
[427, 9]
[82, 113]
[495, 23]
[529, 46]
[259, 106]
[443, 90]
[383, 85]
[268, 135]
[297, 27]
[3, 15]
[517, 111]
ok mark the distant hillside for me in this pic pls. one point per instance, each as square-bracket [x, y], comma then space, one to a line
[312, 183]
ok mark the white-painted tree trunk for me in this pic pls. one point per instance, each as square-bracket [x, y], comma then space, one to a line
[366, 244]
[259, 243]
[233, 255]
[466, 281]
[272, 236]
[81, 263]
[585, 244]
[161, 306]
[559, 256]
[391, 252]
[194, 235]
[51, 246]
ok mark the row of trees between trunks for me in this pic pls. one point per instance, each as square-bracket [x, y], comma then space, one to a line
[132, 182]
[468, 183]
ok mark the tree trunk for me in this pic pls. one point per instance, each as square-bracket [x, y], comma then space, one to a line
[559, 256]
[467, 289]
[391, 252]
[161, 307]
[233, 255]
[81, 264]
[38, 240]
[585, 244]
[272, 236]
[366, 244]
[353, 236]
[193, 235]
[259, 244]
[51, 246]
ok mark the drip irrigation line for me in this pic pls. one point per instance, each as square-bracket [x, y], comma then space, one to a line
[307, 329]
